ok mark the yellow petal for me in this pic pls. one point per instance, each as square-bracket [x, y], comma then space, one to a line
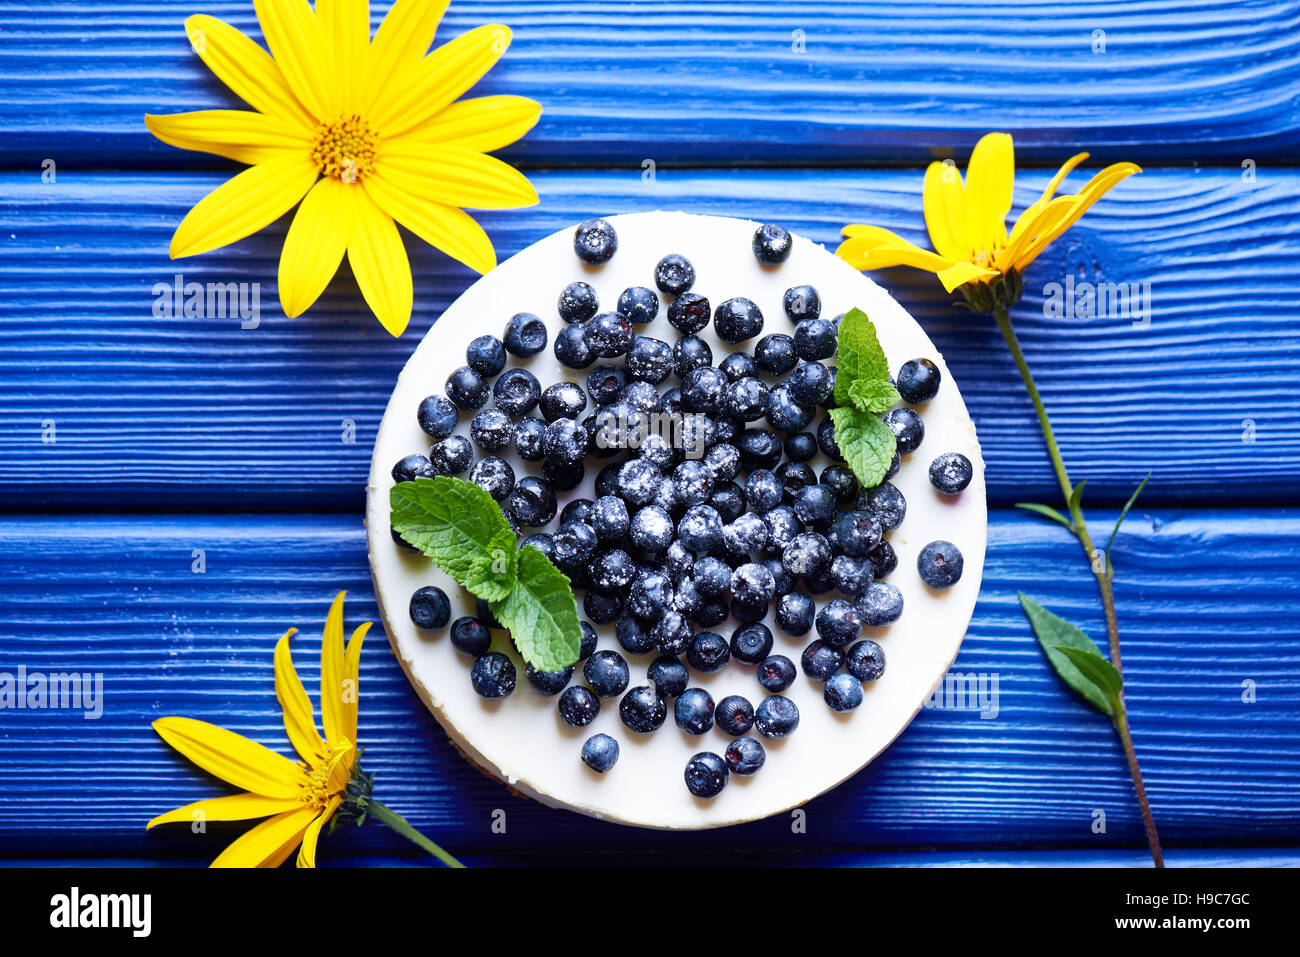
[989, 179]
[241, 206]
[299, 719]
[315, 244]
[307, 852]
[246, 68]
[331, 670]
[345, 25]
[236, 807]
[1032, 210]
[445, 227]
[869, 254]
[294, 35]
[403, 38]
[456, 176]
[945, 202]
[381, 267]
[881, 235]
[1095, 189]
[422, 89]
[1033, 224]
[270, 842]
[483, 123]
[960, 273]
[240, 135]
[340, 765]
[352, 672]
[232, 757]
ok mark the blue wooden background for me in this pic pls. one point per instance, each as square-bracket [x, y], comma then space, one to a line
[173, 435]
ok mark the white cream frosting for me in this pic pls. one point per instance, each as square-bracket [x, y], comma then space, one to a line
[521, 740]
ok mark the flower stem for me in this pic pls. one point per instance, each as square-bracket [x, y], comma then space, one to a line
[1101, 570]
[386, 815]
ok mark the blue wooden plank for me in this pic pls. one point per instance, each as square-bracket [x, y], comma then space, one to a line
[198, 413]
[727, 82]
[1207, 603]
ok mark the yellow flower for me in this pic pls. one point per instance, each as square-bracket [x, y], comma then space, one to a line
[967, 222]
[296, 798]
[368, 131]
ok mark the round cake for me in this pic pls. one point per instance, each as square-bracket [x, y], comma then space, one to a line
[521, 739]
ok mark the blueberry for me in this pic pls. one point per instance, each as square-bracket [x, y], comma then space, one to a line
[751, 643]
[737, 320]
[467, 389]
[759, 449]
[807, 556]
[689, 313]
[802, 302]
[939, 564]
[563, 400]
[843, 692]
[532, 502]
[775, 354]
[588, 642]
[639, 304]
[642, 710]
[826, 440]
[801, 446]
[572, 349]
[575, 544]
[565, 442]
[737, 366]
[745, 756]
[918, 381]
[886, 503]
[413, 467]
[782, 527]
[709, 652]
[772, 244]
[492, 430]
[548, 683]
[607, 673]
[609, 335]
[674, 274]
[841, 480]
[528, 436]
[678, 563]
[451, 456]
[795, 476]
[668, 675]
[711, 614]
[763, 490]
[672, 633]
[493, 675]
[865, 660]
[652, 529]
[541, 541]
[595, 242]
[745, 400]
[603, 608]
[950, 473]
[517, 392]
[525, 335]
[650, 360]
[815, 506]
[850, 575]
[607, 480]
[752, 584]
[712, 577]
[782, 583]
[438, 416]
[814, 339]
[734, 715]
[650, 597]
[776, 717]
[700, 529]
[723, 462]
[495, 476]
[794, 614]
[470, 636]
[606, 384]
[690, 352]
[820, 660]
[746, 535]
[776, 673]
[692, 483]
[694, 711]
[640, 397]
[856, 533]
[747, 613]
[577, 303]
[810, 384]
[483, 612]
[486, 355]
[578, 706]
[880, 604]
[633, 636]
[883, 560]
[907, 427]
[430, 608]
[706, 775]
[702, 389]
[729, 500]
[787, 414]
[609, 517]
[600, 753]
[838, 623]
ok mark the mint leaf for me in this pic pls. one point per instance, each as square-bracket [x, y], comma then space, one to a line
[1047, 512]
[872, 395]
[540, 613]
[493, 575]
[860, 357]
[1056, 636]
[866, 443]
[458, 525]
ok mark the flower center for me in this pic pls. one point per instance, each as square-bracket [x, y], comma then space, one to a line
[316, 790]
[344, 149]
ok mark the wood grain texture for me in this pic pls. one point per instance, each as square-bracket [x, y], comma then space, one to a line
[724, 82]
[1207, 598]
[188, 413]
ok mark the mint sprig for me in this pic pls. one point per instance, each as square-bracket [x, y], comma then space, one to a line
[460, 527]
[863, 391]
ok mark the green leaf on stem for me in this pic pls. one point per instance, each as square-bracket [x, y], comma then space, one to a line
[1047, 512]
[1076, 496]
[1055, 635]
[1123, 513]
[1099, 671]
